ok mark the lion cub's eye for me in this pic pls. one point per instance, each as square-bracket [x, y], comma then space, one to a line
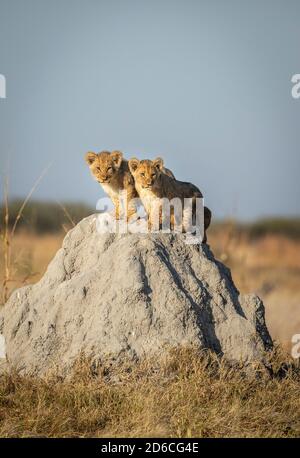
[142, 174]
[109, 169]
[153, 175]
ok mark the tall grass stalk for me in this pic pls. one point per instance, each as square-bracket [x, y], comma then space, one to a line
[67, 214]
[8, 235]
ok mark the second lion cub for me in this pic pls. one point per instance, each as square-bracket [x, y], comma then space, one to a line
[153, 184]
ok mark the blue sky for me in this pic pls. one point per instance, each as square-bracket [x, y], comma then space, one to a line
[205, 84]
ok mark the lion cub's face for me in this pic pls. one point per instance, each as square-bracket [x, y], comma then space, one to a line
[104, 166]
[145, 172]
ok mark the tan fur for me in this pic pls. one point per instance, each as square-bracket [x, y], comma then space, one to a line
[112, 172]
[152, 182]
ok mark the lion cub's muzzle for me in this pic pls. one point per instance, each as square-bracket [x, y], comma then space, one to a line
[149, 185]
[104, 180]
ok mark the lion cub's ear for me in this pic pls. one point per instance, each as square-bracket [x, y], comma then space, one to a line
[90, 157]
[133, 164]
[158, 163]
[117, 157]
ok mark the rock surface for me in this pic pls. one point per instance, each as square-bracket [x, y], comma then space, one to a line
[109, 295]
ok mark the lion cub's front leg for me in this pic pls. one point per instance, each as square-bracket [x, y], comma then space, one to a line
[125, 206]
[117, 205]
[130, 204]
[154, 214]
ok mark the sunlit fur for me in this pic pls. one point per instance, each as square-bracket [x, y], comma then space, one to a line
[152, 182]
[112, 172]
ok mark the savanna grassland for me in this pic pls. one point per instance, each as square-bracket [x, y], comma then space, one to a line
[186, 394]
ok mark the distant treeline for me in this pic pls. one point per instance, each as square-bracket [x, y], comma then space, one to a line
[43, 217]
[289, 227]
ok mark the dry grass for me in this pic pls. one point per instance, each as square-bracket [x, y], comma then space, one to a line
[270, 267]
[7, 234]
[29, 257]
[184, 395]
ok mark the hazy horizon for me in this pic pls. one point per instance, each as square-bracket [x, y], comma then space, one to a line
[204, 84]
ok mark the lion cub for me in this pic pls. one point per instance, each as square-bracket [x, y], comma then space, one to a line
[112, 172]
[152, 183]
